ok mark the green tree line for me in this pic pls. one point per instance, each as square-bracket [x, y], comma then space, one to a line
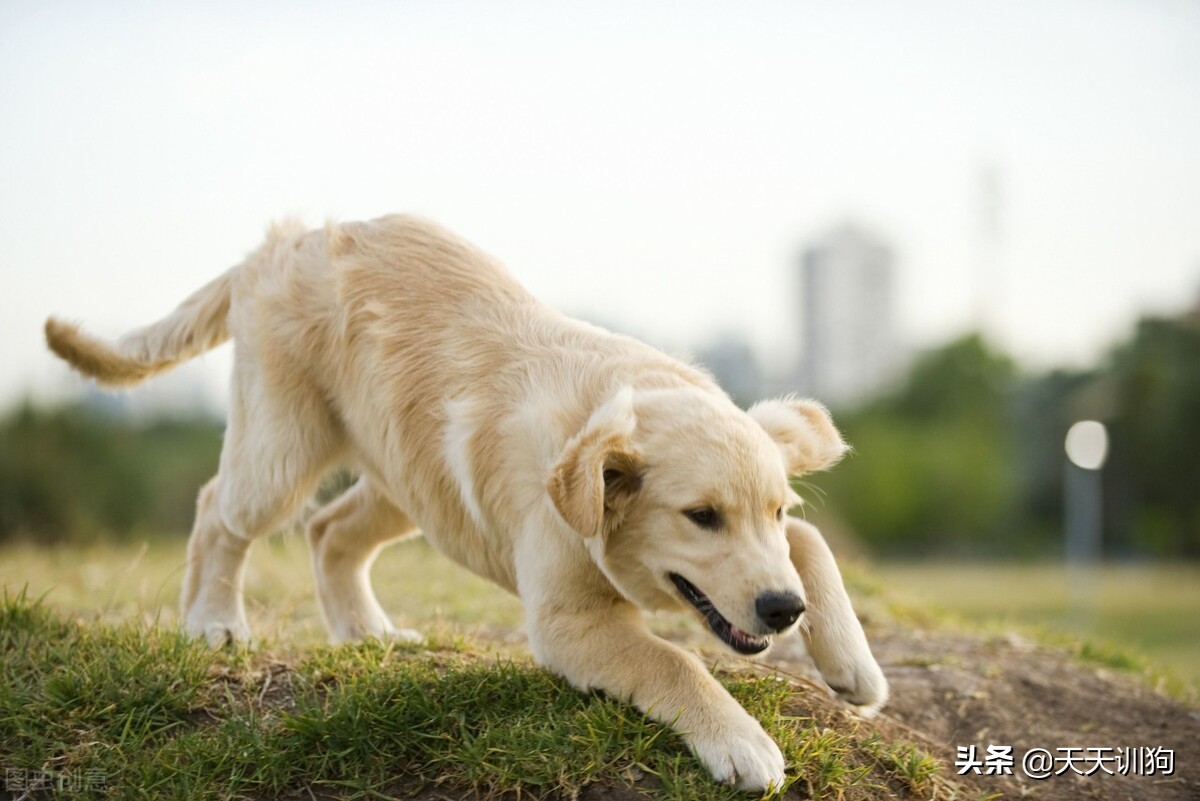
[78, 473]
[965, 456]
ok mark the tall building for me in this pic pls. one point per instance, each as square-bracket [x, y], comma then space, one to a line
[848, 321]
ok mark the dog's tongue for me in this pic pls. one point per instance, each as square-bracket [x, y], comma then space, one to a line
[744, 642]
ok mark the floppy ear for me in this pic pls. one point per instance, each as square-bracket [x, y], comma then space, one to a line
[803, 431]
[598, 473]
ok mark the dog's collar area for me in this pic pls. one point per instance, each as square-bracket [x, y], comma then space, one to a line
[731, 635]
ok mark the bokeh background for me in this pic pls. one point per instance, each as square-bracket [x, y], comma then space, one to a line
[965, 227]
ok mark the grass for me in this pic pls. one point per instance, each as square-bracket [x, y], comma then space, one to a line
[122, 710]
[97, 684]
[1128, 615]
[116, 582]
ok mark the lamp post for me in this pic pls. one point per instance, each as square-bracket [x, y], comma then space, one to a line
[1086, 449]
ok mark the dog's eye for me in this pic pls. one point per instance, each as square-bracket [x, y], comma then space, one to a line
[704, 517]
[779, 514]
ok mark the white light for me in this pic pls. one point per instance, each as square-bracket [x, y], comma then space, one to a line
[1087, 444]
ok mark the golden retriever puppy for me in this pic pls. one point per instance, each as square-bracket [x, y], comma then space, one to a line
[588, 473]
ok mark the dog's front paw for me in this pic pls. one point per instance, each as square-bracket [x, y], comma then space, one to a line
[860, 684]
[220, 635]
[742, 754]
[405, 635]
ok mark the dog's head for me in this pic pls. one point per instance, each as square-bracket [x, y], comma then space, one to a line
[682, 498]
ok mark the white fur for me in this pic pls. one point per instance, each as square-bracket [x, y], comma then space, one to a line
[460, 427]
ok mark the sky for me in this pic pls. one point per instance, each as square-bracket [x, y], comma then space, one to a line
[655, 167]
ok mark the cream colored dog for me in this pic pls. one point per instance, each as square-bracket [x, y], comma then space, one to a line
[586, 472]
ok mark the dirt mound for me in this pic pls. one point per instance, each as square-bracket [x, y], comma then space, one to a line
[1096, 733]
[1074, 731]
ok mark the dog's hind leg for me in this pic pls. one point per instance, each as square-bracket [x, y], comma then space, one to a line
[831, 630]
[279, 440]
[211, 604]
[345, 537]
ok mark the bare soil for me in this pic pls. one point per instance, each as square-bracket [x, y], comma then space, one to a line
[951, 690]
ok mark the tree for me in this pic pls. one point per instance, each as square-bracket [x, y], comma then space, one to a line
[1156, 437]
[73, 473]
[934, 464]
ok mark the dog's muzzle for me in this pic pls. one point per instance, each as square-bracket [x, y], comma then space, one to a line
[741, 641]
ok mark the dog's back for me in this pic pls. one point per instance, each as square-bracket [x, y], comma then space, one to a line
[454, 370]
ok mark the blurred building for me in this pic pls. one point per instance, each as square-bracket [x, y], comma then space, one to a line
[732, 362]
[847, 300]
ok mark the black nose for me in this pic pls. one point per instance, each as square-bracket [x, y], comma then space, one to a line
[778, 609]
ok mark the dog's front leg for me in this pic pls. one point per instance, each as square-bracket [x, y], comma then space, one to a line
[831, 630]
[607, 647]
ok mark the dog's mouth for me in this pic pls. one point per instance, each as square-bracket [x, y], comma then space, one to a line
[731, 635]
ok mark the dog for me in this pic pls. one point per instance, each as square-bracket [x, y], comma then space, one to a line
[586, 472]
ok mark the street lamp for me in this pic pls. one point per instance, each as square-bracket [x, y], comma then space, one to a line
[1087, 448]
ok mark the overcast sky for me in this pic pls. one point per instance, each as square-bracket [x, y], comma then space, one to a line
[652, 166]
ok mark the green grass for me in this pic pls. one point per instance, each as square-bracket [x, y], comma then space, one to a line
[127, 711]
[117, 582]
[96, 682]
[1128, 616]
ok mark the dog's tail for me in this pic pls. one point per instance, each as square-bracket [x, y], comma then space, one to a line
[199, 324]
